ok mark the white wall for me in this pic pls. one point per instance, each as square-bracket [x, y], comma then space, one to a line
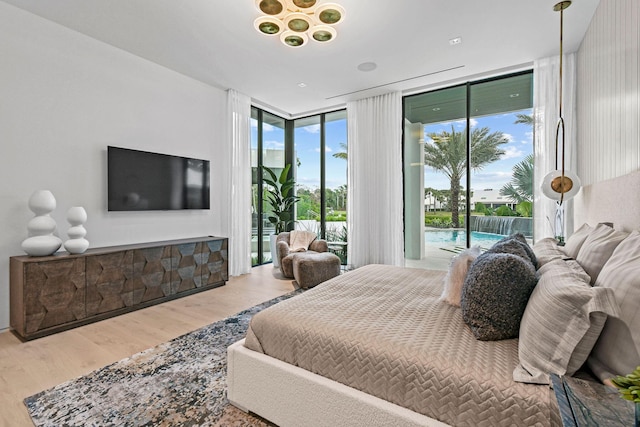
[63, 98]
[608, 76]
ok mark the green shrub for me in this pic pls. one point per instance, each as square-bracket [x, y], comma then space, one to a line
[337, 217]
[441, 220]
[504, 211]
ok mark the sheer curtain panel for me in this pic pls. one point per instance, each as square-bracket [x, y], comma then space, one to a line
[546, 86]
[375, 225]
[236, 217]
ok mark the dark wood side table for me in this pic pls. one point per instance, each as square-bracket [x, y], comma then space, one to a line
[588, 403]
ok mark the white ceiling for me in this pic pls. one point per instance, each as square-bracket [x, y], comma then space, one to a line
[214, 41]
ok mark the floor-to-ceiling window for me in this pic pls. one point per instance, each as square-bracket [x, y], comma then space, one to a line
[320, 143]
[267, 149]
[335, 179]
[316, 148]
[468, 167]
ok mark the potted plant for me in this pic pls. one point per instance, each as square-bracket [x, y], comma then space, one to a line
[281, 198]
[629, 388]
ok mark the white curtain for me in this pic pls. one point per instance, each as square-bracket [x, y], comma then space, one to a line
[546, 86]
[236, 215]
[374, 219]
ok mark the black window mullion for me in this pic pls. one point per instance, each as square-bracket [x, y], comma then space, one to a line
[259, 208]
[467, 202]
[323, 208]
[289, 153]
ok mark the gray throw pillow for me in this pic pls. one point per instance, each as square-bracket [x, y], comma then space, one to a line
[495, 295]
[519, 237]
[514, 247]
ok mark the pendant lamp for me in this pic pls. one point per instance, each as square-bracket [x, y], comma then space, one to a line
[560, 184]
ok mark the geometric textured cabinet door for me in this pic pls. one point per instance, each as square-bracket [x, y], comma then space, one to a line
[215, 268]
[185, 275]
[53, 293]
[151, 273]
[109, 282]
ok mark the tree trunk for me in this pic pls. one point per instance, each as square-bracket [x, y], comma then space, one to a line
[455, 195]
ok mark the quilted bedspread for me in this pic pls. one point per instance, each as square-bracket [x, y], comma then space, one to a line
[383, 330]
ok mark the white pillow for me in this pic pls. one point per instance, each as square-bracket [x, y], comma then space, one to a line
[547, 250]
[454, 279]
[617, 351]
[576, 240]
[562, 321]
[597, 249]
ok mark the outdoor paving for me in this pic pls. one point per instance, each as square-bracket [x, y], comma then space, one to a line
[435, 258]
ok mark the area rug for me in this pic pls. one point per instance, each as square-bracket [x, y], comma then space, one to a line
[178, 383]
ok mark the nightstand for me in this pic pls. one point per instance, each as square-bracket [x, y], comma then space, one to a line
[588, 403]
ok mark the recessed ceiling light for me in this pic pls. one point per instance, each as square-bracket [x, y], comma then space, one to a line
[455, 41]
[302, 84]
[367, 66]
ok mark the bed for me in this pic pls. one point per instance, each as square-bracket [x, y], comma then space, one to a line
[360, 350]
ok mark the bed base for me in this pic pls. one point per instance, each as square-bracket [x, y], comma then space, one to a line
[291, 396]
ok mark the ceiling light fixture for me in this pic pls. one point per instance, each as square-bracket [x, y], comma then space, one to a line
[297, 21]
[560, 184]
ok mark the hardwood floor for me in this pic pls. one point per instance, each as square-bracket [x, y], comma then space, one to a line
[29, 367]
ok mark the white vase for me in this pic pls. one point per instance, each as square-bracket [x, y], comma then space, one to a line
[41, 225]
[42, 202]
[76, 215]
[274, 252]
[41, 245]
[76, 244]
[41, 241]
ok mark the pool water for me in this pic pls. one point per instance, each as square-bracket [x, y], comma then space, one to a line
[459, 238]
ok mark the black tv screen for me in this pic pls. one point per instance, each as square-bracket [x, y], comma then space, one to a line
[141, 181]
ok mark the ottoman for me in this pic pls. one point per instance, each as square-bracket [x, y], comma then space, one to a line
[310, 269]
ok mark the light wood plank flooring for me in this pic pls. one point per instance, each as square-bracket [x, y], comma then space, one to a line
[29, 367]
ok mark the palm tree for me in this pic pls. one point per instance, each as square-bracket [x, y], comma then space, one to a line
[520, 188]
[341, 154]
[524, 119]
[448, 154]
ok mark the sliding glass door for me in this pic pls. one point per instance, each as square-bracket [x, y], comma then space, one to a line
[467, 167]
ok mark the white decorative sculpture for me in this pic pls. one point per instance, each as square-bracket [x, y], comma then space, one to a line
[76, 244]
[41, 241]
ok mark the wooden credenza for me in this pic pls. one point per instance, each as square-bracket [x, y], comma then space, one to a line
[62, 291]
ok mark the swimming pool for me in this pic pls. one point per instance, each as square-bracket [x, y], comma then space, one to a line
[459, 238]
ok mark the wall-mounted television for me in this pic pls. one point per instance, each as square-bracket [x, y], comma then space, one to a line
[143, 181]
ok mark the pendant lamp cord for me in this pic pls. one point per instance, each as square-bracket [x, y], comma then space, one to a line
[560, 120]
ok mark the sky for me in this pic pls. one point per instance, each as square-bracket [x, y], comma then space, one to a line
[496, 174]
[307, 140]
[307, 143]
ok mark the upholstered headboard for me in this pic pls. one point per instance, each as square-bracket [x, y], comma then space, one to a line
[615, 200]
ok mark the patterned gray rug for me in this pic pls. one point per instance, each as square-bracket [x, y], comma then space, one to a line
[178, 383]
